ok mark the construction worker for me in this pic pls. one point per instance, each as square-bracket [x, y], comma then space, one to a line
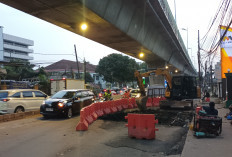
[107, 95]
[210, 110]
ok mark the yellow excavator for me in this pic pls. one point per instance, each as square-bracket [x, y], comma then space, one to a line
[180, 91]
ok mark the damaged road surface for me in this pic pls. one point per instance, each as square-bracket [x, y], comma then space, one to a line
[105, 137]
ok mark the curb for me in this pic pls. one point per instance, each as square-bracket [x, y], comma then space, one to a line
[15, 116]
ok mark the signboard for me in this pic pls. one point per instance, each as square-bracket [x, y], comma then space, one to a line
[12, 84]
[226, 51]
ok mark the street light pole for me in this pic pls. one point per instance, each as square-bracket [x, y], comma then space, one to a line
[186, 29]
[175, 8]
[78, 71]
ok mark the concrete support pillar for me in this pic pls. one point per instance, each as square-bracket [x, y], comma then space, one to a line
[156, 79]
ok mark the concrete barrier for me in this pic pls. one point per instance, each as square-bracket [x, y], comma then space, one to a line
[15, 116]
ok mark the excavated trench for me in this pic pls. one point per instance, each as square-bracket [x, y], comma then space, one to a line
[171, 117]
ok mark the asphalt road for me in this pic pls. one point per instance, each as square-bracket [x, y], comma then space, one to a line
[38, 137]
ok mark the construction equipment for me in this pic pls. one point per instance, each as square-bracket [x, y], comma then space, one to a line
[180, 91]
[206, 125]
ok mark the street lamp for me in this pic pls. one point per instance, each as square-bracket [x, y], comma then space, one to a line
[141, 54]
[84, 26]
[186, 29]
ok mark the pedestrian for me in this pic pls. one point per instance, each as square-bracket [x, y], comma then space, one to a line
[210, 110]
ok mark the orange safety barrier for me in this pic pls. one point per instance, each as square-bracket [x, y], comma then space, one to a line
[106, 107]
[113, 108]
[88, 114]
[125, 103]
[92, 112]
[156, 101]
[118, 104]
[130, 104]
[149, 102]
[134, 102]
[83, 124]
[163, 98]
[141, 126]
[98, 109]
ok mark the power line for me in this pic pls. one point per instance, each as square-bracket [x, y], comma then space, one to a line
[52, 54]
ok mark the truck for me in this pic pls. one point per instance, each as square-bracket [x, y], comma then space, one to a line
[61, 84]
[180, 90]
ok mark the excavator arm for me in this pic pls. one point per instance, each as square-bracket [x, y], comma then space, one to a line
[163, 72]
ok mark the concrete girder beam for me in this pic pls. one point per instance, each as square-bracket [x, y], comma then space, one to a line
[129, 26]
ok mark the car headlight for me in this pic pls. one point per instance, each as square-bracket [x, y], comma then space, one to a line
[61, 104]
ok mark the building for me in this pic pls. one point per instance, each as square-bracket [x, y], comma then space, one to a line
[68, 69]
[12, 47]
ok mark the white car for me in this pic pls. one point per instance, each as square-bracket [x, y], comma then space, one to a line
[20, 100]
[135, 93]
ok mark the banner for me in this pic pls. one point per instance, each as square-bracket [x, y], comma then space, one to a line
[226, 51]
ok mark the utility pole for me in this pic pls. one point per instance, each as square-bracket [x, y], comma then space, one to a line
[78, 74]
[199, 60]
[85, 70]
[211, 77]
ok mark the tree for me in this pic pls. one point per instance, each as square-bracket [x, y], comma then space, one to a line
[89, 78]
[44, 84]
[18, 70]
[117, 68]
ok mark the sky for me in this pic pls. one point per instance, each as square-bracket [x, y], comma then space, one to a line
[193, 15]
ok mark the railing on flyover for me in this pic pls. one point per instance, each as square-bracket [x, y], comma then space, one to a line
[172, 21]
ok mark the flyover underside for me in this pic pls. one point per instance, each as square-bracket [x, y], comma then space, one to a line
[129, 26]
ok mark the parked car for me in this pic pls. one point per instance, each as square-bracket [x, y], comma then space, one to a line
[135, 93]
[20, 100]
[66, 102]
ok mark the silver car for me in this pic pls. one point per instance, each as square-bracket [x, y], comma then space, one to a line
[20, 100]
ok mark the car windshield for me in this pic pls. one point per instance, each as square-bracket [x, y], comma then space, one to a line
[63, 95]
[3, 94]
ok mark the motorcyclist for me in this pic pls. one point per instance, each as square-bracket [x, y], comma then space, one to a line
[107, 95]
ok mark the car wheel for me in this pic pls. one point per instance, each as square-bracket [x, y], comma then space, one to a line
[45, 116]
[19, 110]
[69, 113]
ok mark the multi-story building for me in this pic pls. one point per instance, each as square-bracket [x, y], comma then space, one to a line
[12, 47]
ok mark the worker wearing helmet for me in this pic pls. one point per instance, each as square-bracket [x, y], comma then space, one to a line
[107, 95]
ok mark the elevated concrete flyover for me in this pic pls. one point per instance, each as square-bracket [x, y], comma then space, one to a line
[129, 26]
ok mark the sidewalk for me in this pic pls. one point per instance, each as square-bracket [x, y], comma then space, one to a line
[212, 147]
